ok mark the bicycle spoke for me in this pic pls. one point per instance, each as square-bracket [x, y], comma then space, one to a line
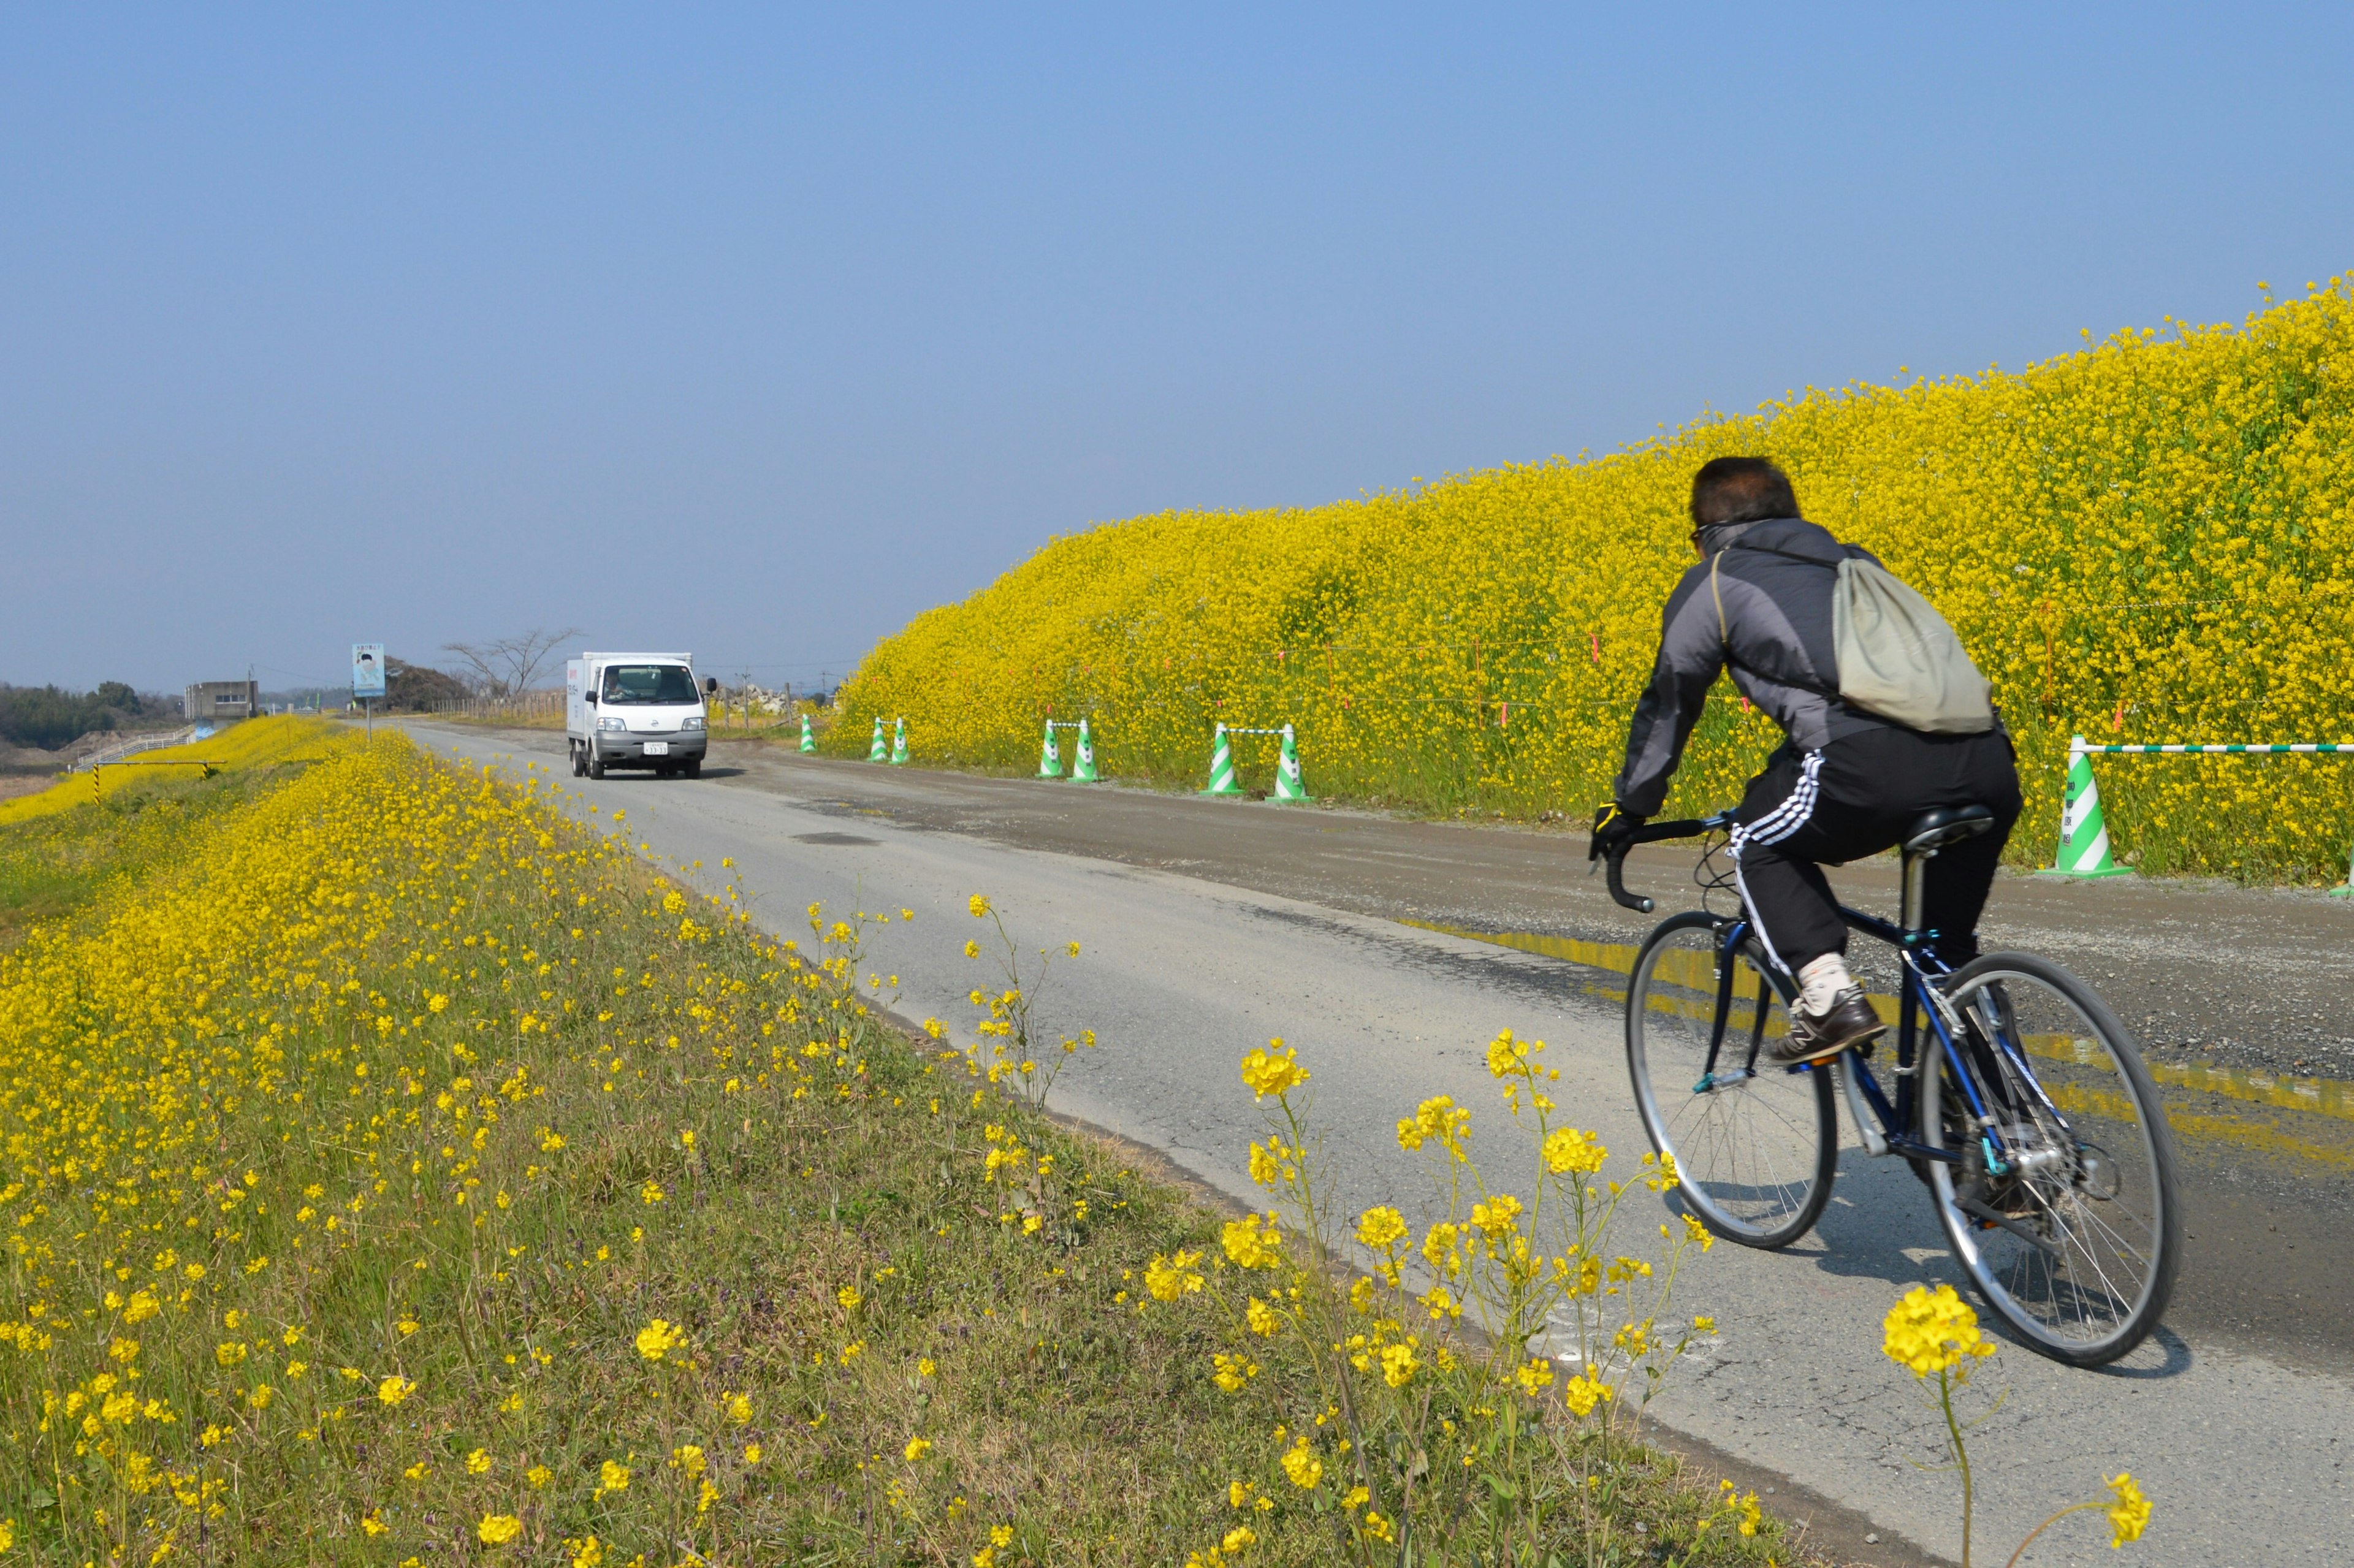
[1751, 1147]
[2086, 1164]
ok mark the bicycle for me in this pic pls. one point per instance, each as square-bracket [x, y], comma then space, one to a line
[2023, 1105]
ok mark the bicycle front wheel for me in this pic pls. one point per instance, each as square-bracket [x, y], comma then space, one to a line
[2068, 1221]
[1755, 1144]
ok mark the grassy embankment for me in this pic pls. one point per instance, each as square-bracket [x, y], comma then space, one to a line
[396, 1174]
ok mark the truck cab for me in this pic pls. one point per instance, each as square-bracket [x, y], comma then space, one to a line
[635, 710]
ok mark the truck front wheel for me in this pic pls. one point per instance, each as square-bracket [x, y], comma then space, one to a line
[595, 763]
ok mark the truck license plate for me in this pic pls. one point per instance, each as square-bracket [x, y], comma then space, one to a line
[657, 748]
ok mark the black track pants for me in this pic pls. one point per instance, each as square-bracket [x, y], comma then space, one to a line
[1856, 797]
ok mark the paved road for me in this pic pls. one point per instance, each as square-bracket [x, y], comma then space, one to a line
[1211, 926]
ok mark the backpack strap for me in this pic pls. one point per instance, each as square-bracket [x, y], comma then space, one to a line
[1723, 637]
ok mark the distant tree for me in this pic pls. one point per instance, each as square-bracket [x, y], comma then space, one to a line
[417, 688]
[51, 717]
[510, 664]
[115, 694]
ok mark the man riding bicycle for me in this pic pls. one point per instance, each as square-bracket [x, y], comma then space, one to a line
[1769, 599]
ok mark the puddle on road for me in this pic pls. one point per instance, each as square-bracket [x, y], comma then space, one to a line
[2326, 1097]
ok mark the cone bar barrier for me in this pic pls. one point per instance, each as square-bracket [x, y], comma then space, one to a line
[809, 741]
[878, 749]
[2080, 751]
[1289, 785]
[899, 744]
[1050, 753]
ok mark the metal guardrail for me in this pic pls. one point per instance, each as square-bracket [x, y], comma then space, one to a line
[98, 760]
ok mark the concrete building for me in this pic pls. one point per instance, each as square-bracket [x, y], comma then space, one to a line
[218, 701]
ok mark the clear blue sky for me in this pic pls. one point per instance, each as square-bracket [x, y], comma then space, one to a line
[757, 332]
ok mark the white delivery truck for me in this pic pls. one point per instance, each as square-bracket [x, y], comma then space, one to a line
[635, 710]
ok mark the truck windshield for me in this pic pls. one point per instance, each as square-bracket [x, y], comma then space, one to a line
[627, 683]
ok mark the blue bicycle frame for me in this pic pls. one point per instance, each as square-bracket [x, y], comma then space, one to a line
[1921, 967]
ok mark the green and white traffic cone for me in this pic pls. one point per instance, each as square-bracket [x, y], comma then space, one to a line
[809, 740]
[1083, 765]
[1289, 785]
[899, 745]
[2084, 836]
[1222, 766]
[1050, 756]
[878, 750]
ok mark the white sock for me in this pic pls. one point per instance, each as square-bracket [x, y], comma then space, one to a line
[1820, 982]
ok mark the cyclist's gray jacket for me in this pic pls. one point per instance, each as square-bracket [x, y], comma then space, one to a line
[1776, 579]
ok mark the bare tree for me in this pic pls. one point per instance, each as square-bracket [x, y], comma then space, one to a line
[510, 664]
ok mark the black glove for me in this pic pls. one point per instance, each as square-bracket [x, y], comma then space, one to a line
[1613, 827]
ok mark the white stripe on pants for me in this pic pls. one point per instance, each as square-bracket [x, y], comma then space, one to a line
[1771, 829]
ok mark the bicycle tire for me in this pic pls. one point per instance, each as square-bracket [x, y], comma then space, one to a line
[2086, 1265]
[1779, 1125]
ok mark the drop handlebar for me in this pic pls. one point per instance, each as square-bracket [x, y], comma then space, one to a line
[1614, 860]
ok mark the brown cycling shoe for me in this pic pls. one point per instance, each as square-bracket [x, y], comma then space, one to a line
[1849, 1023]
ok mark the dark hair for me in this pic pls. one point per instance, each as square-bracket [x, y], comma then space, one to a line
[1741, 489]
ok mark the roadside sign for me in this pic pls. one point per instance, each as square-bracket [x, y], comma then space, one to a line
[367, 669]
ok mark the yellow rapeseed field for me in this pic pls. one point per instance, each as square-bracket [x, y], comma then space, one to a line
[254, 743]
[2146, 540]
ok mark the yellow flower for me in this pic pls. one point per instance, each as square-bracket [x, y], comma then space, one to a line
[1499, 1216]
[1399, 1365]
[498, 1529]
[1568, 1150]
[848, 1295]
[1381, 1228]
[588, 1553]
[2129, 1515]
[687, 1457]
[659, 1339]
[1073, 949]
[478, 1461]
[1265, 1074]
[395, 1389]
[1585, 1391]
[972, 949]
[751, 1453]
[1302, 1465]
[1929, 1331]
[612, 1478]
[1233, 1372]
[738, 1407]
[917, 1448]
[1535, 1377]
[1252, 1242]
[539, 1476]
[978, 904]
[1509, 1057]
[1260, 1316]
[1437, 1119]
[1169, 1278]
[230, 1354]
[371, 1522]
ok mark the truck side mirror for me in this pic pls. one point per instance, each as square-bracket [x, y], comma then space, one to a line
[710, 684]
[589, 696]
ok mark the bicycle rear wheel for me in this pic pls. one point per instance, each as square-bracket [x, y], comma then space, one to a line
[1755, 1144]
[2076, 1239]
